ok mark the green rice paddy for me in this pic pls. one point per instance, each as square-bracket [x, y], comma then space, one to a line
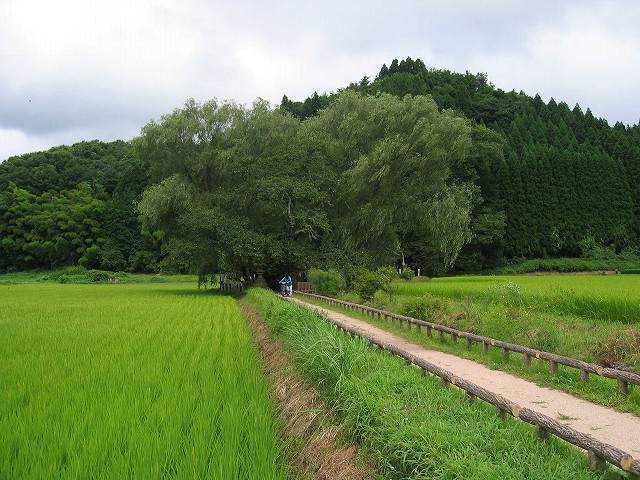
[130, 381]
[613, 298]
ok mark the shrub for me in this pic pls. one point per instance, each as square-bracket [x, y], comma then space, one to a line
[427, 307]
[383, 300]
[80, 275]
[349, 297]
[111, 258]
[407, 273]
[95, 276]
[366, 283]
[66, 271]
[327, 283]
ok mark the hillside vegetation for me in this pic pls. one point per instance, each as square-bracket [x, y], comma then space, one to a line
[436, 168]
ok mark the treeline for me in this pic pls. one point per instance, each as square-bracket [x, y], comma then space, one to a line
[564, 181]
[240, 190]
[75, 205]
[344, 178]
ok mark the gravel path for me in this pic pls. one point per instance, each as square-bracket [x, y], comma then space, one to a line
[621, 430]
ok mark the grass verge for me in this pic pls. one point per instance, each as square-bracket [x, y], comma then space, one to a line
[600, 390]
[412, 427]
[315, 445]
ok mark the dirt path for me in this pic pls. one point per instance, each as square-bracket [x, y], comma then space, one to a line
[621, 430]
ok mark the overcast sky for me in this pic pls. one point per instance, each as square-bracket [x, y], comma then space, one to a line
[73, 70]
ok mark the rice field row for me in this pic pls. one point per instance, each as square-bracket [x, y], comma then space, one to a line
[130, 381]
[614, 298]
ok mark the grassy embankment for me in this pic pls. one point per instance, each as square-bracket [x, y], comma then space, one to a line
[593, 318]
[131, 381]
[410, 426]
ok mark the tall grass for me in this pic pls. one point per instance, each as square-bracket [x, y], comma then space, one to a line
[614, 298]
[412, 427]
[80, 275]
[592, 318]
[135, 381]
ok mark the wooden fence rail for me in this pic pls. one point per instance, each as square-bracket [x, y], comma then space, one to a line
[232, 286]
[623, 377]
[598, 451]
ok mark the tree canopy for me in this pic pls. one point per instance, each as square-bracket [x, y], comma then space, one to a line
[242, 189]
[437, 168]
[72, 205]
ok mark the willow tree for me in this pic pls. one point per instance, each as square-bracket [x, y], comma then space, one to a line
[235, 190]
[242, 189]
[394, 190]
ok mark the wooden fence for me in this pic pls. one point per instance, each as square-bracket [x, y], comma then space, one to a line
[623, 377]
[598, 451]
[305, 287]
[232, 286]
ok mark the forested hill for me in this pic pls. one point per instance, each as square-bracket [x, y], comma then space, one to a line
[73, 205]
[566, 179]
[543, 180]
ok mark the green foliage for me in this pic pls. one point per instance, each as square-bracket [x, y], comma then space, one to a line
[621, 263]
[382, 169]
[382, 300]
[52, 229]
[328, 283]
[365, 283]
[508, 294]
[270, 192]
[411, 425]
[111, 258]
[59, 207]
[427, 307]
[118, 395]
[87, 276]
[407, 273]
[560, 175]
[79, 274]
[564, 314]
[68, 271]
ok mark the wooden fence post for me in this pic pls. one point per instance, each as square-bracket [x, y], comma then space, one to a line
[596, 462]
[623, 386]
[542, 433]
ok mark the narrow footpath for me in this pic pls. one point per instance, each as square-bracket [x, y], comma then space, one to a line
[621, 430]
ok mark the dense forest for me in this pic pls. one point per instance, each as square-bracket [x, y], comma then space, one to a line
[564, 180]
[75, 205]
[438, 169]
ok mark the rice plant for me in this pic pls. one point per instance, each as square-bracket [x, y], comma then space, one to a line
[130, 381]
[612, 298]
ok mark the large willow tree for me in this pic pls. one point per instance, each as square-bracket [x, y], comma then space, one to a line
[239, 189]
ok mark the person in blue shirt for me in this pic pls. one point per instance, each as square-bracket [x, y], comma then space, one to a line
[286, 285]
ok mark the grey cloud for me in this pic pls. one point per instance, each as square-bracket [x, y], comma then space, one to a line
[193, 50]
